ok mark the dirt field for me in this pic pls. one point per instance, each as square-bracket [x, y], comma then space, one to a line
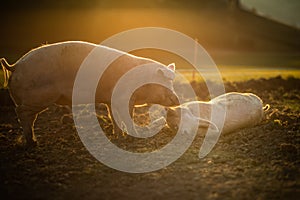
[256, 163]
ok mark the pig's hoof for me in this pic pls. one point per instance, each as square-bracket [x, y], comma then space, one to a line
[31, 144]
[27, 142]
[22, 144]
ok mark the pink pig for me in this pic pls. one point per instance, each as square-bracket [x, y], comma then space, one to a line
[46, 75]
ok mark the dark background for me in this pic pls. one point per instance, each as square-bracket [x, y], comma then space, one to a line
[231, 35]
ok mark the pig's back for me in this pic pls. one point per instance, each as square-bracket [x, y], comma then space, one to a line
[48, 67]
[242, 110]
[55, 56]
[54, 67]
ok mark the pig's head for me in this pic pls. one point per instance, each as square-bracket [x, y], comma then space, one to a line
[188, 117]
[157, 93]
[173, 117]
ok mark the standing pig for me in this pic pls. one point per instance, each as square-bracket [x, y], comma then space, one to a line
[46, 76]
[241, 110]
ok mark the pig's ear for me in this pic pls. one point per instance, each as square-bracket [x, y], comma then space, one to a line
[166, 73]
[171, 66]
[205, 124]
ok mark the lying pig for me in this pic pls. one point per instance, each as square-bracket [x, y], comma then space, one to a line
[46, 75]
[241, 110]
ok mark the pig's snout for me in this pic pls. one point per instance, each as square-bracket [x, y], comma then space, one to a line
[174, 100]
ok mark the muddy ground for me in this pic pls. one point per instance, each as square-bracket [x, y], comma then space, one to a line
[254, 163]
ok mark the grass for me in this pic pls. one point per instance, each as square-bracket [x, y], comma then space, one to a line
[232, 74]
[292, 105]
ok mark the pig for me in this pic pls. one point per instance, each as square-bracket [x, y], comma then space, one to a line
[157, 114]
[241, 110]
[46, 75]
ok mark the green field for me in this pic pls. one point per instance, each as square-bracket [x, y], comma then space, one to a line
[235, 73]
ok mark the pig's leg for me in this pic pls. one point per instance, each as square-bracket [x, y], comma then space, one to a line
[116, 128]
[27, 117]
[131, 112]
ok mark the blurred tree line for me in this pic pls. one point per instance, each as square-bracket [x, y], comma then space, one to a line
[79, 4]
